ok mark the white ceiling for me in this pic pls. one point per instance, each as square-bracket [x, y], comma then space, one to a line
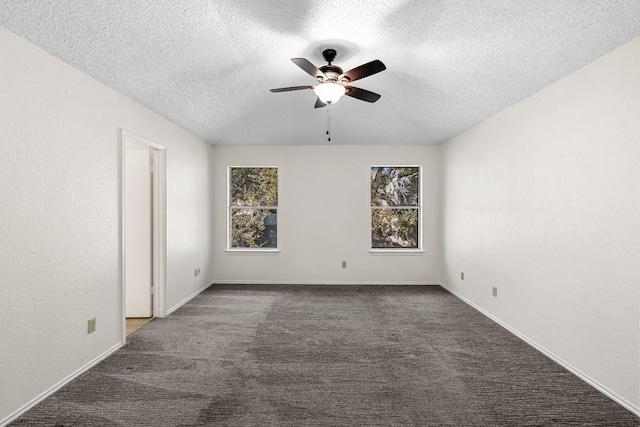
[208, 65]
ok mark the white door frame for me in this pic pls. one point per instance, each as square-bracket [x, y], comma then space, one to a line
[159, 209]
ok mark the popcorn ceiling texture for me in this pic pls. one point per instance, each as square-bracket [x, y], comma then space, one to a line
[208, 66]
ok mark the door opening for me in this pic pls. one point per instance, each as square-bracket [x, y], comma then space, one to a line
[143, 231]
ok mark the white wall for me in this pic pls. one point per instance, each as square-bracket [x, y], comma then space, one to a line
[60, 168]
[543, 202]
[324, 216]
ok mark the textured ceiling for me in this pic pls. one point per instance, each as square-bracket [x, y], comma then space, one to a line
[208, 65]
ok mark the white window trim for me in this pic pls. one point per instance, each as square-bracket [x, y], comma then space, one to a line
[396, 251]
[399, 251]
[230, 249]
[256, 251]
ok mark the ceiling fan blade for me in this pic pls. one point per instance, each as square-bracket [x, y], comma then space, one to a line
[365, 70]
[288, 89]
[307, 66]
[362, 94]
[319, 103]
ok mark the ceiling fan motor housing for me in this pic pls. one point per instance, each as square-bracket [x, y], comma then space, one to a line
[332, 73]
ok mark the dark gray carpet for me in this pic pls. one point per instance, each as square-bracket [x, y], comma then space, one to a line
[326, 356]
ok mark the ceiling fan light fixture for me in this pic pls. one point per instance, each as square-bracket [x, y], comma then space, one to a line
[329, 92]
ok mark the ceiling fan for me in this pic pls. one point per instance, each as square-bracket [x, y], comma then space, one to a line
[333, 82]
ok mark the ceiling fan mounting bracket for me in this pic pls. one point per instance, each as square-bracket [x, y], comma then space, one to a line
[329, 55]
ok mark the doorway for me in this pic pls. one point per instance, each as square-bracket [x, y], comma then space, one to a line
[143, 230]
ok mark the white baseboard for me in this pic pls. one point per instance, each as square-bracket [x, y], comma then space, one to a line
[331, 283]
[584, 377]
[59, 385]
[189, 298]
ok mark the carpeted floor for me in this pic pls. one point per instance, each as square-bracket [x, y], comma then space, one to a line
[326, 356]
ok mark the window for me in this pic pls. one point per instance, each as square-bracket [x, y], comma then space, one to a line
[253, 207]
[395, 207]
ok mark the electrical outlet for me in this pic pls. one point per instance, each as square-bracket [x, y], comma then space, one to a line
[344, 264]
[195, 272]
[462, 275]
[91, 325]
[494, 291]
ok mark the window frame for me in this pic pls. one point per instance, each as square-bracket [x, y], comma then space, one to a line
[419, 208]
[230, 208]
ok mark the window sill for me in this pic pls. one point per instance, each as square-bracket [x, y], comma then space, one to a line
[251, 251]
[408, 252]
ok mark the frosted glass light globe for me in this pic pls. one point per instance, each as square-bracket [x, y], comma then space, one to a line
[329, 93]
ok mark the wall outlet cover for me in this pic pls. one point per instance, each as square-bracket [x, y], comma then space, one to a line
[91, 325]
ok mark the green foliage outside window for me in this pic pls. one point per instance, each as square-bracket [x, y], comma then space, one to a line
[253, 201]
[395, 199]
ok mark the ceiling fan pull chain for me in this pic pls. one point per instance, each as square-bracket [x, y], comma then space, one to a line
[328, 122]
